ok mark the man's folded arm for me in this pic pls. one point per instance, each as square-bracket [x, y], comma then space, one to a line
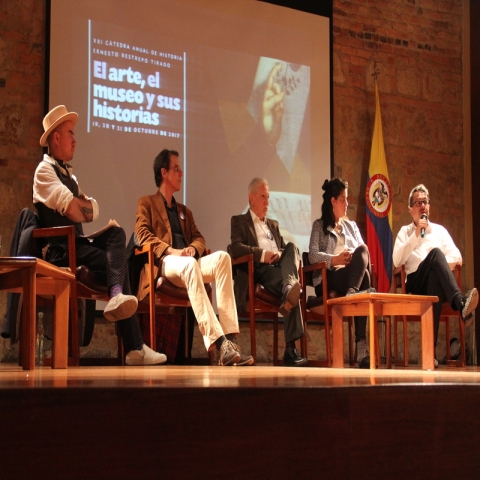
[82, 210]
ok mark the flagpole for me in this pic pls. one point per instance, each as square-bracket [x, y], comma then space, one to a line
[376, 71]
[378, 195]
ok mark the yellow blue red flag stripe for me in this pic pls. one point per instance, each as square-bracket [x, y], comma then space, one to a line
[378, 196]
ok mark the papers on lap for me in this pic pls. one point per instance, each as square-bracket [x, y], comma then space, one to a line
[111, 223]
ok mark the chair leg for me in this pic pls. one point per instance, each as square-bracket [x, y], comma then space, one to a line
[388, 340]
[187, 352]
[275, 339]
[328, 342]
[351, 348]
[121, 353]
[405, 342]
[447, 337]
[303, 340]
[74, 339]
[463, 357]
[395, 339]
[377, 344]
[253, 344]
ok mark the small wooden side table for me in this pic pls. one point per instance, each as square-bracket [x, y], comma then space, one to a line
[385, 304]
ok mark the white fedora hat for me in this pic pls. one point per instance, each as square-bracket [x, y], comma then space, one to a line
[54, 118]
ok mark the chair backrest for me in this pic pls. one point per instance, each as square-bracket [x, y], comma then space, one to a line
[308, 275]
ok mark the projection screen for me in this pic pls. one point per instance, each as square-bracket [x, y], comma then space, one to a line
[196, 76]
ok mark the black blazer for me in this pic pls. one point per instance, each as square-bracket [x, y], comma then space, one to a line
[244, 242]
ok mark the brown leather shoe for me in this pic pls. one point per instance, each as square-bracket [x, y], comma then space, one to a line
[228, 353]
[290, 298]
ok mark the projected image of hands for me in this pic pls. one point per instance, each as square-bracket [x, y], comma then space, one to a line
[263, 106]
[272, 105]
[282, 90]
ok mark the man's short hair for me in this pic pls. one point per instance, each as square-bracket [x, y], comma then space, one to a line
[162, 160]
[255, 184]
[419, 188]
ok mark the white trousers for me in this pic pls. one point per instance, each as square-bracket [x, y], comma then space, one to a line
[193, 274]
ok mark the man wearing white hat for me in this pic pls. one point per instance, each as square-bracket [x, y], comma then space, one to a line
[59, 201]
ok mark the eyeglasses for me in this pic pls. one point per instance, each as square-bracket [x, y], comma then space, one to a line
[176, 169]
[420, 203]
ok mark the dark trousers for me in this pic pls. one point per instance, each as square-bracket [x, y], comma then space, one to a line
[434, 277]
[357, 274]
[106, 257]
[274, 278]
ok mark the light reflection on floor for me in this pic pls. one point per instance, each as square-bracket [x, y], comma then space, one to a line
[12, 376]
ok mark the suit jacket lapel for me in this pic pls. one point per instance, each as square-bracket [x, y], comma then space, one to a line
[251, 229]
[162, 211]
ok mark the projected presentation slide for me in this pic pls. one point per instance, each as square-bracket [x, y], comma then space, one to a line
[240, 89]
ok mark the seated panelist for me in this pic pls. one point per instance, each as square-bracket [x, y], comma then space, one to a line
[60, 201]
[430, 255]
[276, 263]
[338, 242]
[178, 248]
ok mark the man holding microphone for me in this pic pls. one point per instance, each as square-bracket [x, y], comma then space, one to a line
[430, 255]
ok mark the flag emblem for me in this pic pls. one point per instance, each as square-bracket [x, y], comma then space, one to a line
[379, 195]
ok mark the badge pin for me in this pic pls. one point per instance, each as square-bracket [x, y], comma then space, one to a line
[182, 216]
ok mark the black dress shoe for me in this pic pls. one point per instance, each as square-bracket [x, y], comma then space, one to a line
[294, 359]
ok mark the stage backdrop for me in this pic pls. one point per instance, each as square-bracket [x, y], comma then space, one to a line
[240, 88]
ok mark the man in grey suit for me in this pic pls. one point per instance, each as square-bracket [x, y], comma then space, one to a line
[276, 264]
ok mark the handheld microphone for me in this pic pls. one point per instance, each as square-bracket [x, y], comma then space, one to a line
[422, 230]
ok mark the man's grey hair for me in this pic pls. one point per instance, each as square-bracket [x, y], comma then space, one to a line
[255, 184]
[418, 188]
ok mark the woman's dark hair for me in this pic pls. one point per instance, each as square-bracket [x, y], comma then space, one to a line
[162, 160]
[333, 188]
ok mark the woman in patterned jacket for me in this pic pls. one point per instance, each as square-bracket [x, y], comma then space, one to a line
[337, 241]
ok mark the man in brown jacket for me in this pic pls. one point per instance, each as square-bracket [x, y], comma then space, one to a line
[178, 247]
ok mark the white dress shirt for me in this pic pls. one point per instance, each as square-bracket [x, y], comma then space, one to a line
[266, 240]
[49, 190]
[412, 250]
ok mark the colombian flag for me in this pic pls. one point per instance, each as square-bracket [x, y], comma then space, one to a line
[379, 202]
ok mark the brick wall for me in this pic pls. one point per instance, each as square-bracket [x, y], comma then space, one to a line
[417, 45]
[22, 60]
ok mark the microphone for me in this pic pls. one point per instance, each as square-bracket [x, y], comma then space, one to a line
[422, 230]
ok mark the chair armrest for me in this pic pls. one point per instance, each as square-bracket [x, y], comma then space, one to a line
[314, 267]
[398, 270]
[243, 259]
[143, 249]
[398, 279]
[53, 232]
[66, 231]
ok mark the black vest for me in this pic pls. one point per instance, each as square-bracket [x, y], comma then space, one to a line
[49, 217]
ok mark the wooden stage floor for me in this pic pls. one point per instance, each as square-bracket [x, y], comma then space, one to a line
[265, 422]
[262, 376]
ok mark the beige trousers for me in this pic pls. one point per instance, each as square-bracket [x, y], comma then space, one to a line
[192, 274]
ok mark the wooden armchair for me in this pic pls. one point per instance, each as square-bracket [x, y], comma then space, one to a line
[87, 286]
[261, 304]
[399, 286]
[315, 309]
[165, 297]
